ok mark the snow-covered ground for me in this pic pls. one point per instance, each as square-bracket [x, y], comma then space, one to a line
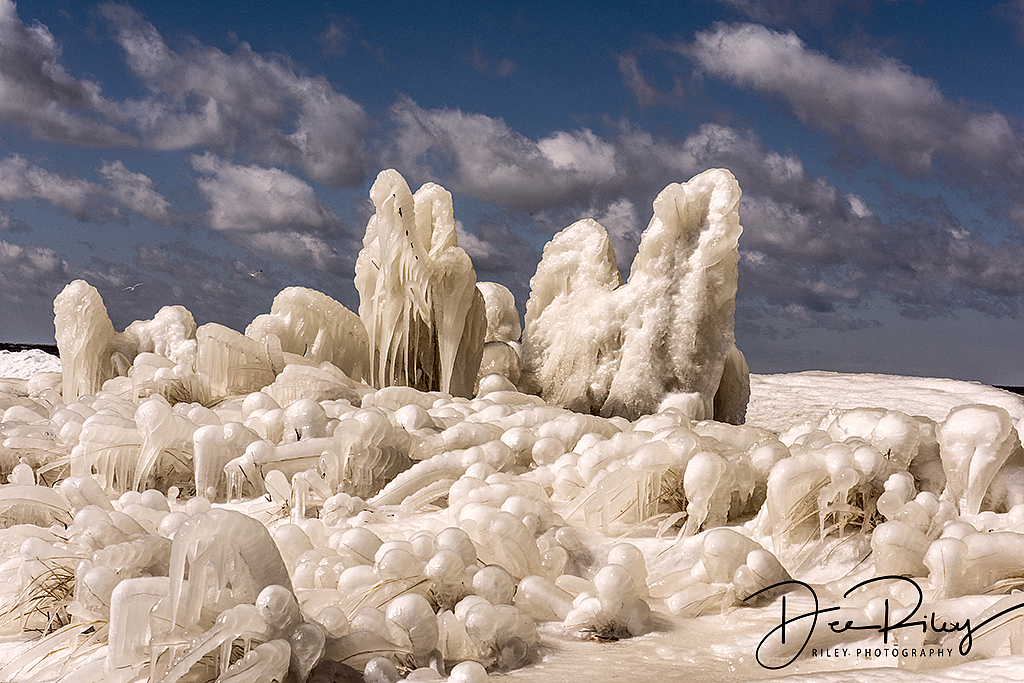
[780, 401]
[24, 364]
[721, 647]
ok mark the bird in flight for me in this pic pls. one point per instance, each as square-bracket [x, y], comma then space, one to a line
[132, 288]
[256, 273]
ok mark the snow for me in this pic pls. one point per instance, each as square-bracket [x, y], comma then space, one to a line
[24, 364]
[778, 401]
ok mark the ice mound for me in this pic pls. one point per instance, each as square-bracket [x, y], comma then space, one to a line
[596, 345]
[424, 317]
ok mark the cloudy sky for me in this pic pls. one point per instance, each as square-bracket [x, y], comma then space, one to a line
[165, 156]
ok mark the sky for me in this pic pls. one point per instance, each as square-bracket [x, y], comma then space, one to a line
[212, 157]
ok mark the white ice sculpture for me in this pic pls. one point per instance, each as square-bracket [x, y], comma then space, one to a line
[230, 556]
[502, 317]
[311, 324]
[215, 446]
[417, 291]
[91, 351]
[595, 345]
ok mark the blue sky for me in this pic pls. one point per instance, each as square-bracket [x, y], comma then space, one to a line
[879, 145]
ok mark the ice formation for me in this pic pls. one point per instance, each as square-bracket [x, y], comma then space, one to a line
[193, 504]
[86, 339]
[314, 326]
[596, 345]
[424, 316]
[502, 354]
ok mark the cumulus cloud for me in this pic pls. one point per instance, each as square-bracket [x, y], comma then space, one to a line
[497, 250]
[485, 158]
[934, 265]
[273, 212]
[898, 116]
[253, 199]
[124, 192]
[38, 93]
[303, 249]
[135, 192]
[241, 102]
[621, 219]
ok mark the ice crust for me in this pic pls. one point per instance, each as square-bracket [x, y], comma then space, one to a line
[190, 503]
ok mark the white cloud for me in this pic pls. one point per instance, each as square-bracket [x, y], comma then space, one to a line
[899, 116]
[30, 274]
[859, 206]
[487, 159]
[240, 102]
[20, 181]
[629, 67]
[478, 250]
[621, 220]
[253, 199]
[302, 249]
[125, 192]
[136, 192]
[820, 248]
[581, 153]
[38, 93]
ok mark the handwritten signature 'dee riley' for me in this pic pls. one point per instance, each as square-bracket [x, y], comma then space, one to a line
[805, 632]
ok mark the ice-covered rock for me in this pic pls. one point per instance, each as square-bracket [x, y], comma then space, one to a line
[501, 352]
[615, 607]
[230, 362]
[402, 527]
[230, 559]
[595, 345]
[502, 316]
[424, 317]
